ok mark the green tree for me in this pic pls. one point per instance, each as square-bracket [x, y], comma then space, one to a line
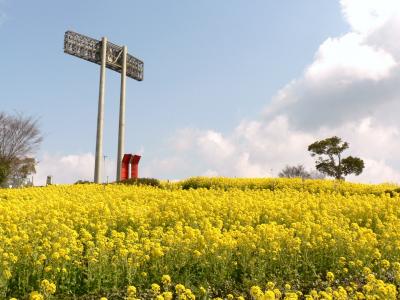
[330, 161]
[19, 138]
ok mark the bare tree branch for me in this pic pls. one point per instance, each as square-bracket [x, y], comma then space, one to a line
[20, 137]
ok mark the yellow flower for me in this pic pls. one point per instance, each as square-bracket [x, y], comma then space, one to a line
[291, 296]
[270, 285]
[48, 287]
[48, 269]
[180, 288]
[366, 271]
[7, 274]
[370, 277]
[131, 290]
[203, 291]
[51, 288]
[155, 288]
[342, 261]
[231, 224]
[189, 294]
[278, 293]
[168, 295]
[269, 295]
[385, 264]
[360, 296]
[44, 283]
[35, 296]
[256, 292]
[166, 280]
[42, 257]
[377, 254]
[330, 276]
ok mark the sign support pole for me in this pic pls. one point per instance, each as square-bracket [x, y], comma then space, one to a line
[121, 129]
[100, 114]
[114, 57]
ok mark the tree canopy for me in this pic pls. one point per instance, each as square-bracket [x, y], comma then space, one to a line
[330, 160]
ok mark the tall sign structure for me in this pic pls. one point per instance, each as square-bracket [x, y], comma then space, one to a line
[116, 58]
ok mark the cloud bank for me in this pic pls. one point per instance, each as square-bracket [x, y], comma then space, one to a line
[69, 168]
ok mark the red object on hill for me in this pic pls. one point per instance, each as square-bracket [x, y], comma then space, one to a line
[126, 160]
[131, 161]
[135, 166]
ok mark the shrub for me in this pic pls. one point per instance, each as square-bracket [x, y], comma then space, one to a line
[83, 182]
[142, 181]
[273, 184]
[393, 192]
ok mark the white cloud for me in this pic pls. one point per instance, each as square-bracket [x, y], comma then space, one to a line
[214, 146]
[183, 139]
[377, 171]
[366, 16]
[353, 76]
[347, 59]
[253, 149]
[210, 173]
[165, 168]
[69, 168]
[262, 149]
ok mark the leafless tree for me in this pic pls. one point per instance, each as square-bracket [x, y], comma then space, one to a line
[294, 172]
[299, 171]
[19, 138]
[20, 170]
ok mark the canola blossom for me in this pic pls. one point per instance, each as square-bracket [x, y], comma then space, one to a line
[228, 239]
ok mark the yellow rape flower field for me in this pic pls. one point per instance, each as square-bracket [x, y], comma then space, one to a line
[201, 239]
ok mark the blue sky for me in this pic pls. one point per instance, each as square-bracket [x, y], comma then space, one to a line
[209, 67]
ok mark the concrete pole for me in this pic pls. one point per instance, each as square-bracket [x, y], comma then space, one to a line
[121, 131]
[100, 114]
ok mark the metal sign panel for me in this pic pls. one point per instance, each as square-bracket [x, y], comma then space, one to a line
[89, 49]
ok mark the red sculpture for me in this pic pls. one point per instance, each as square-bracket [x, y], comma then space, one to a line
[131, 161]
[135, 166]
[126, 160]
